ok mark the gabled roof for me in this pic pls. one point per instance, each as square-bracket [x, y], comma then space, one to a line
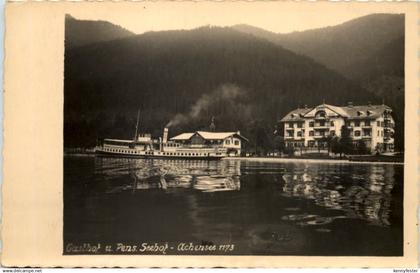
[296, 115]
[215, 135]
[361, 111]
[220, 135]
[209, 135]
[339, 110]
[351, 112]
[183, 136]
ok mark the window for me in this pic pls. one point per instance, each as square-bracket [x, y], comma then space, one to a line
[291, 124]
[311, 133]
[332, 133]
[322, 123]
[237, 142]
[332, 123]
[299, 134]
[299, 125]
[227, 142]
[367, 122]
[357, 123]
[357, 133]
[311, 124]
[378, 123]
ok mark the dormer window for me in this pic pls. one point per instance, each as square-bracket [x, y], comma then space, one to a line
[369, 112]
[359, 113]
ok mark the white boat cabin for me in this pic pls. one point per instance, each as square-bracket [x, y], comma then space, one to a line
[231, 141]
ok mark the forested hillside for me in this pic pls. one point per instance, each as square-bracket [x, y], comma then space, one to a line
[186, 77]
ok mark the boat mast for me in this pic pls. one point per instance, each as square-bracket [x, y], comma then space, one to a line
[137, 124]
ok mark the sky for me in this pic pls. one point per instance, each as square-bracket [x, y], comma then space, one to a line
[272, 16]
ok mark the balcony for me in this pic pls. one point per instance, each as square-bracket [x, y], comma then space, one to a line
[319, 136]
[388, 131]
[388, 139]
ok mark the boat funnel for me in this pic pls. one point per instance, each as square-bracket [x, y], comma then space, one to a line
[165, 135]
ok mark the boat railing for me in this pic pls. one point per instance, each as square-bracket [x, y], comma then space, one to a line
[201, 146]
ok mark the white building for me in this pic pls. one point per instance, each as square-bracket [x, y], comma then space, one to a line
[308, 127]
[232, 141]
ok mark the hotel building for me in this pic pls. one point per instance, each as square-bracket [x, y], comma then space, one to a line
[309, 127]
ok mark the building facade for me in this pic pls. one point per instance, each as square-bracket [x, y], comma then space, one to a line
[231, 141]
[310, 127]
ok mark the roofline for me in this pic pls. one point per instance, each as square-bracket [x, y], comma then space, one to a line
[198, 133]
[286, 119]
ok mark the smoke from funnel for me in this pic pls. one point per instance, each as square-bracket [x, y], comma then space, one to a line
[225, 92]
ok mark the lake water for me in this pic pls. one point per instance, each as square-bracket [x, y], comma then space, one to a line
[231, 207]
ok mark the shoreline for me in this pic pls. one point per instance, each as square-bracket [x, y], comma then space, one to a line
[310, 160]
[282, 159]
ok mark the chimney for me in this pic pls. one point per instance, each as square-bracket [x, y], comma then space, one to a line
[212, 126]
[350, 104]
[165, 135]
[306, 106]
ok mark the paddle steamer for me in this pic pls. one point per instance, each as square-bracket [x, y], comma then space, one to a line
[198, 145]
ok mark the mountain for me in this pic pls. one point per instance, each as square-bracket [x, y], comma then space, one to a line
[368, 50]
[183, 78]
[339, 47]
[388, 60]
[84, 32]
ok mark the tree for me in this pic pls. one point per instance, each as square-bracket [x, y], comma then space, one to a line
[346, 142]
[289, 150]
[335, 145]
[327, 140]
[361, 147]
[279, 143]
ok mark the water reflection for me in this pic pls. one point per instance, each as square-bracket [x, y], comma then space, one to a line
[201, 175]
[363, 193]
[262, 207]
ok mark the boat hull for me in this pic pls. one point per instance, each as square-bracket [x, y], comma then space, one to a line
[157, 156]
